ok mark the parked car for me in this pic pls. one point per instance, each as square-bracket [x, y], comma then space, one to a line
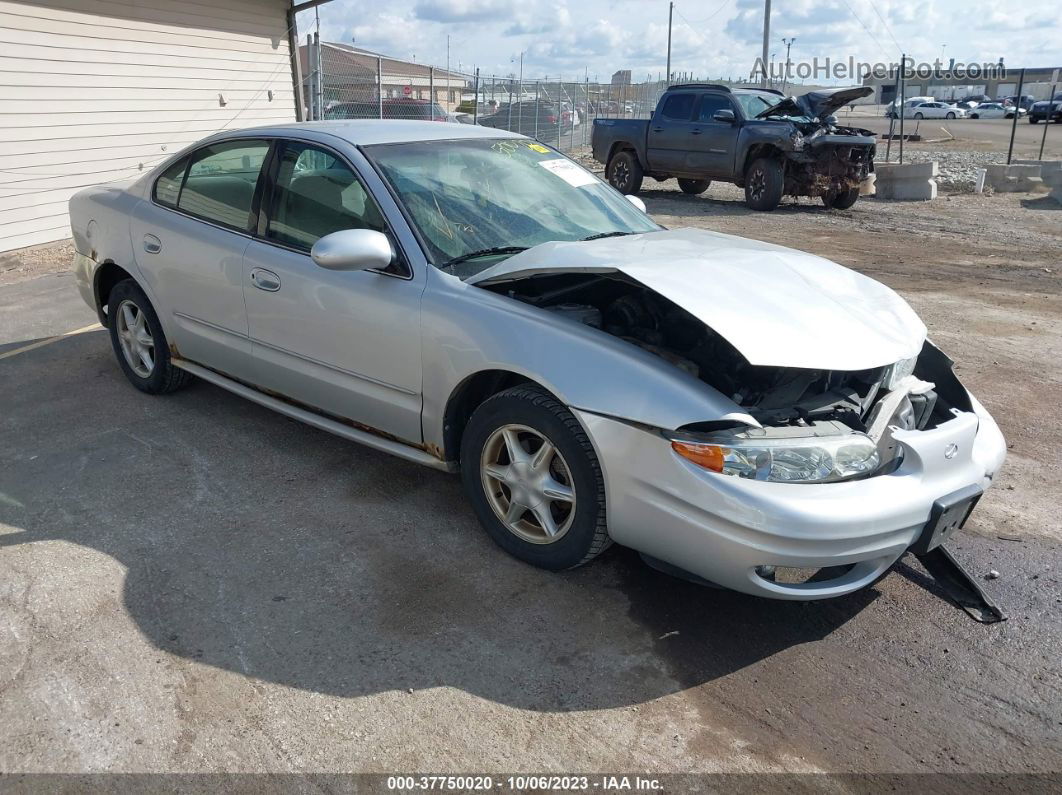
[760, 140]
[395, 108]
[540, 120]
[468, 299]
[995, 110]
[934, 110]
[1025, 101]
[891, 108]
[1048, 110]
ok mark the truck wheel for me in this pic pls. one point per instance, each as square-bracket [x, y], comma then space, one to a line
[763, 184]
[694, 186]
[1032, 120]
[534, 480]
[840, 200]
[625, 172]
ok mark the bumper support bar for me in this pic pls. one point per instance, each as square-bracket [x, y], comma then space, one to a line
[960, 586]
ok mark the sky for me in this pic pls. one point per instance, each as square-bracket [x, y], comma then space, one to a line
[711, 38]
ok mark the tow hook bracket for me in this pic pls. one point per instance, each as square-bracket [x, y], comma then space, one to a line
[960, 586]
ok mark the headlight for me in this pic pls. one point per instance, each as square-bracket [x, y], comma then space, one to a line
[803, 459]
[899, 371]
[798, 140]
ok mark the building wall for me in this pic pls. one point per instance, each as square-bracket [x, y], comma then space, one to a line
[95, 91]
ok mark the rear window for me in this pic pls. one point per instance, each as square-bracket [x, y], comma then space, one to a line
[678, 107]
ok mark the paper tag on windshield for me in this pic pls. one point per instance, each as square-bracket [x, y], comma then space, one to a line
[569, 172]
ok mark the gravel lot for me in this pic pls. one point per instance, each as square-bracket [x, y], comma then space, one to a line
[195, 584]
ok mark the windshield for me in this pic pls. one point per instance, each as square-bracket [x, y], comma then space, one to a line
[477, 196]
[755, 104]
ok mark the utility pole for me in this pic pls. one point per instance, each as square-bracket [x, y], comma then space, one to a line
[788, 45]
[766, 36]
[670, 14]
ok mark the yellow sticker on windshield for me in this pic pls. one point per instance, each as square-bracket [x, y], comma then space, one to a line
[538, 148]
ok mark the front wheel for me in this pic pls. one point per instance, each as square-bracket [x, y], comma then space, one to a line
[139, 342]
[975, 116]
[764, 183]
[840, 200]
[534, 480]
[694, 187]
[624, 172]
[1032, 120]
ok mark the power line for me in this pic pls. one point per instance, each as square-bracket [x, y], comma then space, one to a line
[689, 24]
[888, 30]
[868, 30]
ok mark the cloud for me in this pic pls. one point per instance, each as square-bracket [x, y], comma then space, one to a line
[463, 10]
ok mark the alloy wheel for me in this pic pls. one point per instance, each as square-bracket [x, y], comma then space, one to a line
[134, 335]
[528, 484]
[757, 183]
[621, 175]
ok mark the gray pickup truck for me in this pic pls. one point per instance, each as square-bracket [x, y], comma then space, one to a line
[767, 143]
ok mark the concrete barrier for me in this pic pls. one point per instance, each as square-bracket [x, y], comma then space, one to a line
[866, 187]
[1015, 178]
[906, 181]
[1046, 166]
[1053, 180]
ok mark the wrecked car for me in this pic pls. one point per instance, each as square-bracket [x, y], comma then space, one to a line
[471, 300]
[758, 139]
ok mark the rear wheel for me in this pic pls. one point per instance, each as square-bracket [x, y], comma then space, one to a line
[139, 342]
[534, 480]
[949, 116]
[1032, 120]
[764, 183]
[919, 116]
[624, 172]
[694, 186]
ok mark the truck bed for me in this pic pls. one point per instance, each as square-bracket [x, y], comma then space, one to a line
[606, 132]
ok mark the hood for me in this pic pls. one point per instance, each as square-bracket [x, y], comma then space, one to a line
[779, 307]
[817, 104]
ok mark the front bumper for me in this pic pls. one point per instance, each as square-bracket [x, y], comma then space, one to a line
[722, 528]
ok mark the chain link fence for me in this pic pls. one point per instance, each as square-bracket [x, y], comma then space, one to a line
[341, 81]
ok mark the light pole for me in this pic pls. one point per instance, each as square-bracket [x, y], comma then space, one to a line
[670, 13]
[788, 45]
[766, 36]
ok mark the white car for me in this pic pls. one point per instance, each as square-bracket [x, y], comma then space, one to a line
[995, 110]
[934, 110]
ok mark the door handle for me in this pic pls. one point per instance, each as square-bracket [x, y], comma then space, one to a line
[658, 129]
[695, 132]
[152, 245]
[265, 280]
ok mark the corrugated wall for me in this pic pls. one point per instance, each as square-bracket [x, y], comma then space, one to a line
[93, 91]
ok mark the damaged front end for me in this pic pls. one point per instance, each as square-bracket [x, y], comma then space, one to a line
[824, 158]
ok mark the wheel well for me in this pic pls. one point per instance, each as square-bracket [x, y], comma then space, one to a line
[466, 398]
[107, 276]
[756, 151]
[620, 146]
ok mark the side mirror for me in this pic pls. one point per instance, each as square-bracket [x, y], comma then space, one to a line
[353, 250]
[636, 202]
[724, 115]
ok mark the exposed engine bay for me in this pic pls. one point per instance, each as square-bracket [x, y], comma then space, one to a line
[915, 394]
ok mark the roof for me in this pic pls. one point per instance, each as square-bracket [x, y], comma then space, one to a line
[366, 132]
[342, 61]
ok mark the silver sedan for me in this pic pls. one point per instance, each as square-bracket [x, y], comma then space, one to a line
[472, 300]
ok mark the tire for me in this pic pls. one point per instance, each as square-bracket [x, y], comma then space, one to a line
[1032, 120]
[129, 312]
[841, 200]
[534, 415]
[694, 187]
[624, 172]
[974, 116]
[1008, 116]
[764, 182]
[949, 116]
[919, 116]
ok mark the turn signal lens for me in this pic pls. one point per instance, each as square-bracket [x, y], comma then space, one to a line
[708, 456]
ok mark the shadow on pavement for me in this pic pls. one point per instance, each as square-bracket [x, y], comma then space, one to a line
[261, 546]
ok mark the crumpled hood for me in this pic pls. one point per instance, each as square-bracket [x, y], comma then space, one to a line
[817, 104]
[777, 306]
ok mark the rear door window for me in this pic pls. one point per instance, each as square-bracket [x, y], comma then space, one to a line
[678, 107]
[168, 187]
[221, 182]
